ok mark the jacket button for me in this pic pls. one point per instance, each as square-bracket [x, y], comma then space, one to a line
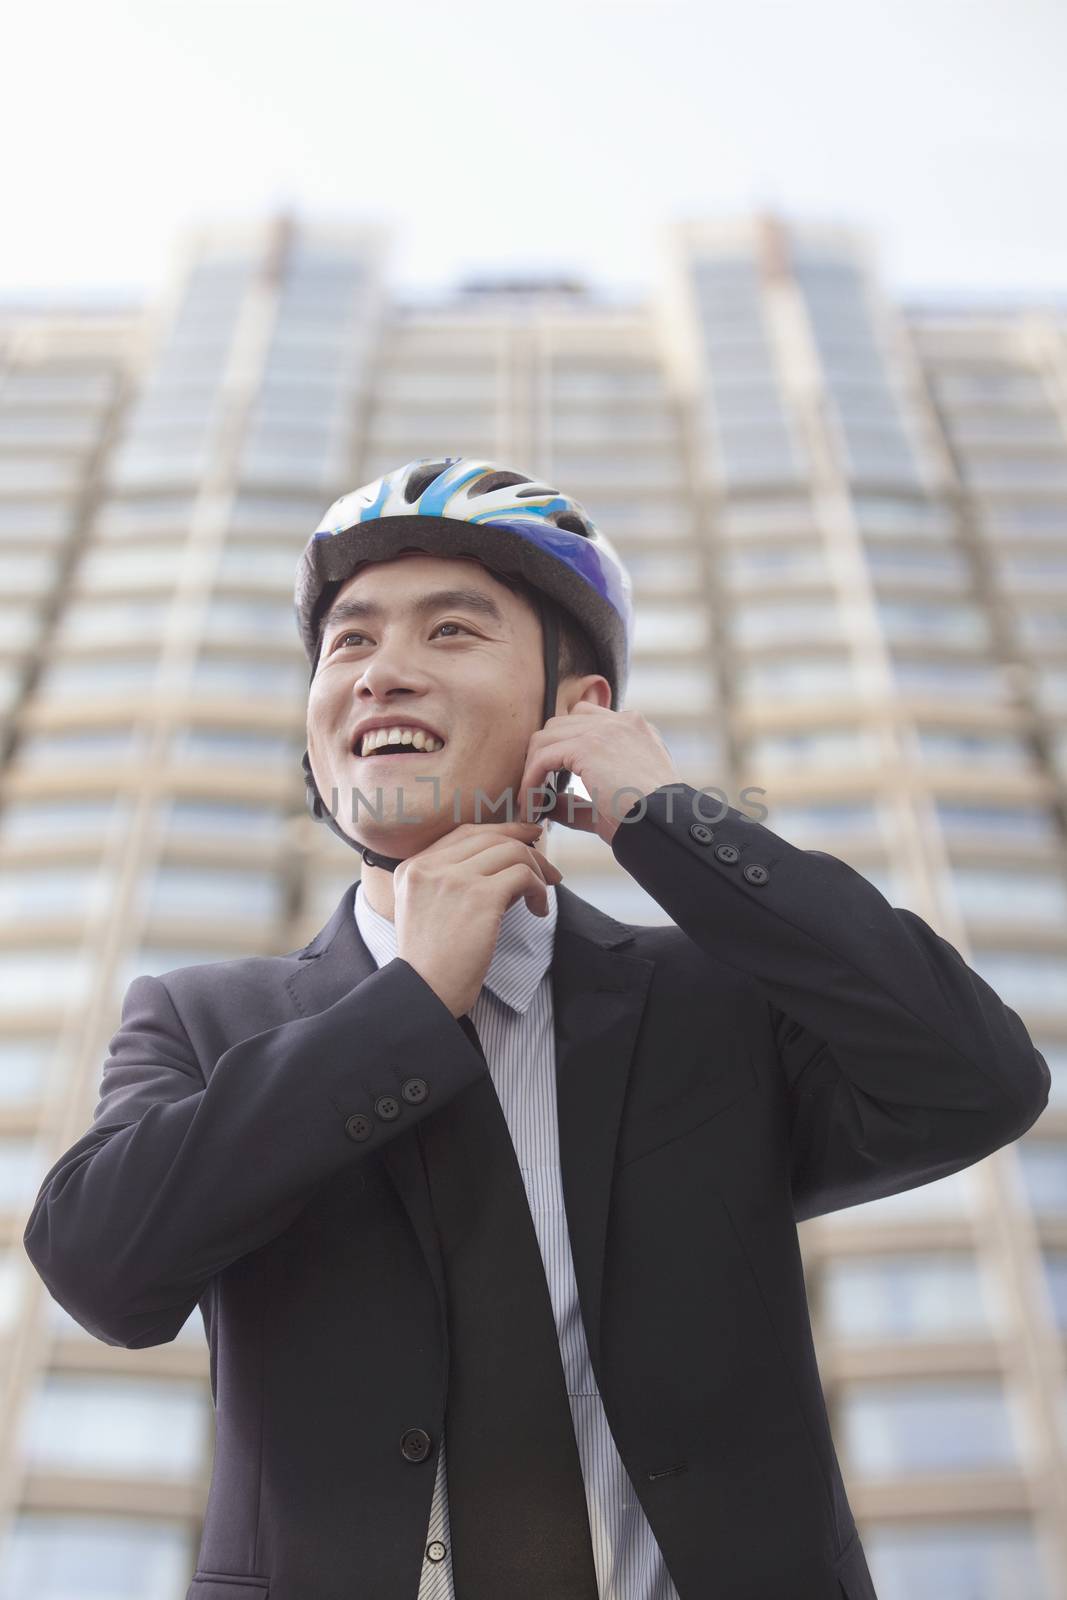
[415, 1444]
[728, 853]
[436, 1551]
[755, 872]
[701, 833]
[415, 1091]
[359, 1127]
[386, 1107]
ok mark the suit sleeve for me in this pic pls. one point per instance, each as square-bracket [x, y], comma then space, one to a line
[900, 1064]
[177, 1176]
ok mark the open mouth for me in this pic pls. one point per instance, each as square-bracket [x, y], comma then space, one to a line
[412, 742]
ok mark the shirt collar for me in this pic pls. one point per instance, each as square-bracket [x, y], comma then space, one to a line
[522, 956]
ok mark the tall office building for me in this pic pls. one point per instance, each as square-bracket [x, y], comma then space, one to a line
[846, 522]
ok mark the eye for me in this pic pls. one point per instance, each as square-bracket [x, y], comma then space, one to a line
[341, 637]
[458, 625]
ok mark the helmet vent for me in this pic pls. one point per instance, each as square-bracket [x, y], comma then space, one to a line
[495, 480]
[421, 481]
[538, 488]
[572, 524]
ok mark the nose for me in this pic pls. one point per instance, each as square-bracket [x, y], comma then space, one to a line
[388, 674]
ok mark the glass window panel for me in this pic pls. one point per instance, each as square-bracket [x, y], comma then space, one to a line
[79, 746]
[209, 892]
[904, 564]
[919, 620]
[760, 565]
[786, 621]
[1017, 822]
[66, 1556]
[797, 678]
[266, 621]
[223, 819]
[1024, 979]
[994, 1558]
[98, 622]
[951, 680]
[33, 893]
[961, 746]
[33, 522]
[94, 677]
[27, 573]
[844, 819]
[1010, 894]
[24, 1062]
[235, 746]
[1055, 1054]
[745, 519]
[235, 678]
[1043, 1167]
[27, 820]
[1056, 1279]
[22, 1167]
[932, 1295]
[13, 1274]
[132, 567]
[822, 747]
[678, 688]
[44, 978]
[670, 628]
[936, 1426]
[116, 1426]
[21, 625]
[880, 514]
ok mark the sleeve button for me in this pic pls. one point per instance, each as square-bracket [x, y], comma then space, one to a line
[728, 853]
[359, 1127]
[387, 1107]
[701, 833]
[756, 873]
[415, 1091]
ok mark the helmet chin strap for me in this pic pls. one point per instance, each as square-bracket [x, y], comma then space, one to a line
[554, 783]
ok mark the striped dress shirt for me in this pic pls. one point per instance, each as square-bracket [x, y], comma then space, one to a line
[514, 1018]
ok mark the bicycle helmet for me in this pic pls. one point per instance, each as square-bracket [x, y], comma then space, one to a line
[514, 525]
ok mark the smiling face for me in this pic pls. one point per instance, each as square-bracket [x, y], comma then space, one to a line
[439, 643]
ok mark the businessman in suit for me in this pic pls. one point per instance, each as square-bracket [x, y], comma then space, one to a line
[627, 1121]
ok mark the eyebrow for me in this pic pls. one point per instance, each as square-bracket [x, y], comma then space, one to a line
[452, 599]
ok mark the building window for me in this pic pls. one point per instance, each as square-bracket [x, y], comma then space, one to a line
[928, 1295]
[52, 1556]
[991, 1558]
[116, 1427]
[211, 893]
[943, 1425]
[1009, 894]
[1043, 1168]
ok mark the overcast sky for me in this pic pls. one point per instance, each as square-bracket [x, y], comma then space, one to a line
[537, 134]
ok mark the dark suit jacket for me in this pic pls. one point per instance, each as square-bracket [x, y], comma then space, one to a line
[793, 1046]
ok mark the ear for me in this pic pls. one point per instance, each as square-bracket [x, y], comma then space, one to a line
[593, 687]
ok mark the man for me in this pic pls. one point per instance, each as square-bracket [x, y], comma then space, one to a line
[489, 1201]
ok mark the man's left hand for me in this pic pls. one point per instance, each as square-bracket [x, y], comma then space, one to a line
[618, 755]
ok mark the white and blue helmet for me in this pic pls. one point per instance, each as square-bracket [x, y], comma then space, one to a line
[511, 523]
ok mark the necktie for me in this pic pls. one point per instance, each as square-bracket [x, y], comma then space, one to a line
[516, 1496]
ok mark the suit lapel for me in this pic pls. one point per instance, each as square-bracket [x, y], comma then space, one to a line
[599, 997]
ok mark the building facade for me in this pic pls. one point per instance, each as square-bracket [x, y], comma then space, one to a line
[846, 521]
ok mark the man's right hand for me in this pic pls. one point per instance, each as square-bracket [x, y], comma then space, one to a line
[449, 901]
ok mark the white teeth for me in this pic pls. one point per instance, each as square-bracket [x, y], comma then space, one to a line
[411, 736]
